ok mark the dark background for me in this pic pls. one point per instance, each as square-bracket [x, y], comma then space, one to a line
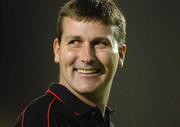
[146, 93]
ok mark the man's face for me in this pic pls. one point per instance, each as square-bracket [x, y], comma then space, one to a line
[88, 56]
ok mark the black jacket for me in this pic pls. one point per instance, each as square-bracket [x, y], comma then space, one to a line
[60, 108]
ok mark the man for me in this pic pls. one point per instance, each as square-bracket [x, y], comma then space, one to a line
[89, 49]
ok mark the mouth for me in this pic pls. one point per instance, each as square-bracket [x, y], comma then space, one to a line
[87, 71]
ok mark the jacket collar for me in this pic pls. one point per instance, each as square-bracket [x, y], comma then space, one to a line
[70, 100]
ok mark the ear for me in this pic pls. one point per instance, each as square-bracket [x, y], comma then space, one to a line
[122, 53]
[56, 47]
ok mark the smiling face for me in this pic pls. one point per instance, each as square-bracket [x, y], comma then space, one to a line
[88, 56]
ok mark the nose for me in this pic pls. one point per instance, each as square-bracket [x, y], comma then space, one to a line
[87, 54]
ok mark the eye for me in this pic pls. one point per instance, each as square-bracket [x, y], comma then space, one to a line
[74, 43]
[101, 45]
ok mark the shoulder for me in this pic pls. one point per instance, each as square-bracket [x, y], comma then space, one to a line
[41, 103]
[36, 113]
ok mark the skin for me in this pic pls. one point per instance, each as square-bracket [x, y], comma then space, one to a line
[88, 57]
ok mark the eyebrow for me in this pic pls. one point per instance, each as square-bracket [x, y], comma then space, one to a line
[104, 39]
[73, 38]
[96, 39]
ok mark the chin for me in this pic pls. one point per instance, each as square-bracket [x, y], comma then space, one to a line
[85, 89]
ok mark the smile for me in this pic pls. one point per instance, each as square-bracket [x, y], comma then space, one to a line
[87, 71]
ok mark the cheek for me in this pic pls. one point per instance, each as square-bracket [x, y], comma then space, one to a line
[104, 58]
[67, 57]
[109, 60]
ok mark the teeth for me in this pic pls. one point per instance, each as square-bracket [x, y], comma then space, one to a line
[87, 71]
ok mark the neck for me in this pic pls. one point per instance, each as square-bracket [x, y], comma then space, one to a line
[98, 98]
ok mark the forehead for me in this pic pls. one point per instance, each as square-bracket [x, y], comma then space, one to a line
[72, 26]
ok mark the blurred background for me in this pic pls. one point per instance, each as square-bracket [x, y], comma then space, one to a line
[145, 93]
